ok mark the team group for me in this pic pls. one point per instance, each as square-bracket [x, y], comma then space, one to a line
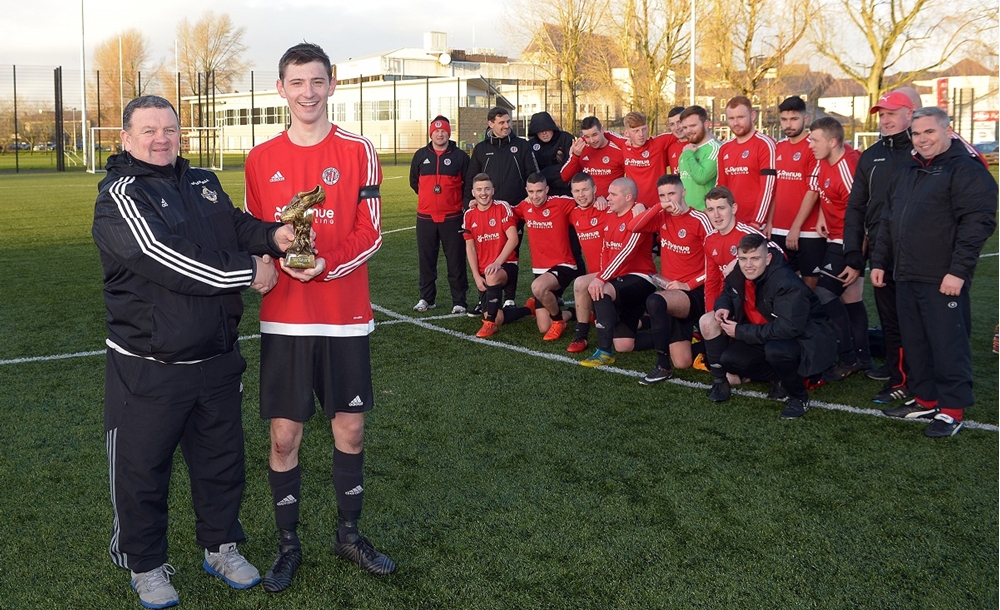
[762, 245]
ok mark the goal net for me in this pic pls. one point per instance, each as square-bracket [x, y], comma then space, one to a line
[202, 146]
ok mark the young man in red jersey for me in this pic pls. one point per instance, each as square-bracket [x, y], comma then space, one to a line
[676, 147]
[839, 288]
[547, 225]
[645, 157]
[587, 220]
[315, 323]
[490, 230]
[437, 176]
[619, 290]
[746, 164]
[676, 308]
[594, 154]
[792, 224]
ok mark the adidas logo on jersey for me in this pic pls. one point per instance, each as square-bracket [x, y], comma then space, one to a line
[277, 177]
[353, 492]
[287, 500]
[356, 402]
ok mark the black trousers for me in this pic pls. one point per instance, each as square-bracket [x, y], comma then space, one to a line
[885, 304]
[935, 331]
[446, 235]
[149, 409]
[774, 360]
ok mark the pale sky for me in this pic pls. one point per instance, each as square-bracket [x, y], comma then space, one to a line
[47, 32]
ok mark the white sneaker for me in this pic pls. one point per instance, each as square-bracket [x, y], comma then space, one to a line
[457, 309]
[509, 303]
[231, 567]
[154, 588]
[423, 305]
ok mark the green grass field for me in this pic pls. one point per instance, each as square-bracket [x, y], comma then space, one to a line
[500, 474]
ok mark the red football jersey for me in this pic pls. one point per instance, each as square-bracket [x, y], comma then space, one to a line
[747, 169]
[489, 230]
[605, 165]
[547, 229]
[645, 164]
[587, 222]
[625, 252]
[674, 151]
[720, 250]
[348, 231]
[682, 239]
[833, 183]
[794, 164]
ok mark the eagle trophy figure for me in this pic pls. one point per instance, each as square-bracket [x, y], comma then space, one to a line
[300, 253]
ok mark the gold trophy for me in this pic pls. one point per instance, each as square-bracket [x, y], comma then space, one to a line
[300, 253]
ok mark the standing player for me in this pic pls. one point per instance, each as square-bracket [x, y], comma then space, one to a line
[595, 155]
[437, 176]
[674, 310]
[746, 164]
[314, 334]
[645, 157]
[793, 216]
[698, 163]
[587, 221]
[550, 146]
[547, 225]
[839, 290]
[675, 148]
[620, 288]
[490, 230]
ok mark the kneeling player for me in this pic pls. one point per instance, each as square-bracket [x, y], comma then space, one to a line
[767, 325]
[490, 231]
[674, 310]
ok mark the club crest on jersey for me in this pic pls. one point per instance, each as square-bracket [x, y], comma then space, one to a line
[447, 161]
[593, 222]
[493, 222]
[209, 194]
[796, 156]
[746, 153]
[331, 175]
[606, 160]
[546, 213]
[513, 149]
[682, 234]
[732, 250]
[621, 227]
[826, 183]
[537, 146]
[645, 154]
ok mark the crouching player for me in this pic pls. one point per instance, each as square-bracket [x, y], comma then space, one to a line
[587, 221]
[490, 231]
[767, 325]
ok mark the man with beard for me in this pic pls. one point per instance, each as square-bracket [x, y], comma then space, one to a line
[746, 164]
[698, 163]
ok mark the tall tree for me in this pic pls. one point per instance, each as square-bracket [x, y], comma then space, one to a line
[868, 39]
[649, 39]
[211, 44]
[561, 41]
[748, 41]
[123, 69]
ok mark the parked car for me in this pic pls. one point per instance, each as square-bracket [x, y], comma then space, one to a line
[989, 150]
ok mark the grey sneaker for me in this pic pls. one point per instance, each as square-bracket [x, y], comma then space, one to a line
[458, 309]
[154, 588]
[231, 567]
[423, 305]
[509, 303]
[943, 425]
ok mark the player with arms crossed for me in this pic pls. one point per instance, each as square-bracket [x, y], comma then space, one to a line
[746, 164]
[315, 325]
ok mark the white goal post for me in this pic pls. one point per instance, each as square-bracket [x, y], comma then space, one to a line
[864, 139]
[202, 146]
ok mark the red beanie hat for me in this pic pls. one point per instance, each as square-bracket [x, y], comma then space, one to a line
[439, 122]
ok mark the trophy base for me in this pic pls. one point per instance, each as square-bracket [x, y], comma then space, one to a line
[300, 261]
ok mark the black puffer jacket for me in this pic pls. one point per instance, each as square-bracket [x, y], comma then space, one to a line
[551, 155]
[508, 161]
[938, 217]
[792, 311]
[176, 253]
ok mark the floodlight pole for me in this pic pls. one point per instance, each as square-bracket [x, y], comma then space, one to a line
[83, 92]
[693, 46]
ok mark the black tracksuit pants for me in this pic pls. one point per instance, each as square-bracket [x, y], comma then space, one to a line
[885, 303]
[774, 360]
[150, 408]
[446, 235]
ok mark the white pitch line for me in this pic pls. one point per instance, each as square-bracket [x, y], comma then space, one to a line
[422, 323]
[398, 230]
[991, 254]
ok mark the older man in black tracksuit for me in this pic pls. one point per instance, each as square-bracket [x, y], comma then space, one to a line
[176, 254]
[508, 161]
[768, 325]
[940, 211]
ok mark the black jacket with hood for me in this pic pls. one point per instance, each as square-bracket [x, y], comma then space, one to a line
[552, 155]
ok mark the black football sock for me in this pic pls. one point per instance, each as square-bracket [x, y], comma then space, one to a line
[348, 482]
[513, 314]
[582, 330]
[607, 320]
[713, 354]
[661, 328]
[644, 341]
[285, 489]
[493, 296]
